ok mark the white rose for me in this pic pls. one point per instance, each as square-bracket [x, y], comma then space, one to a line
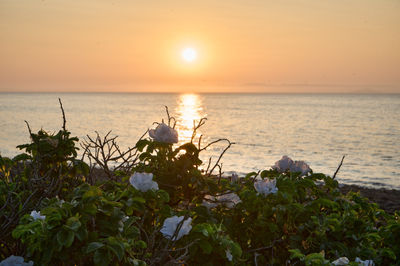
[287, 164]
[143, 181]
[164, 133]
[341, 261]
[210, 202]
[229, 200]
[266, 186]
[365, 262]
[300, 166]
[15, 261]
[170, 224]
[36, 215]
[283, 164]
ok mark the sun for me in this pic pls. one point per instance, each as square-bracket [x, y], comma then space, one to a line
[189, 54]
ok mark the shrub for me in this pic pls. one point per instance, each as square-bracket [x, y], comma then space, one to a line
[289, 218]
[47, 169]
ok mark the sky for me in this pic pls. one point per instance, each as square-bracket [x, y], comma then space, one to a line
[283, 46]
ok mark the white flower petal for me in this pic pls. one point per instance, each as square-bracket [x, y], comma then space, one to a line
[364, 262]
[341, 261]
[286, 164]
[152, 133]
[266, 186]
[15, 261]
[229, 200]
[170, 224]
[143, 181]
[228, 255]
[209, 202]
[300, 166]
[36, 215]
[283, 164]
[164, 133]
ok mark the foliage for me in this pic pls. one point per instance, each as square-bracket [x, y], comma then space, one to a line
[48, 168]
[306, 221]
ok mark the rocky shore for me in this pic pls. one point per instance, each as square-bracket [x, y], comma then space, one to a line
[387, 199]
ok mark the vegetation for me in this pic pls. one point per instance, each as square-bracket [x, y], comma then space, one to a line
[158, 204]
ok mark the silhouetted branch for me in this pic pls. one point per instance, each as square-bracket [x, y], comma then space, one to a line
[170, 118]
[222, 153]
[29, 129]
[196, 127]
[63, 114]
[340, 165]
[106, 153]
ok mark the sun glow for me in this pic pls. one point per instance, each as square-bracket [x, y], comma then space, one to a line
[189, 109]
[189, 54]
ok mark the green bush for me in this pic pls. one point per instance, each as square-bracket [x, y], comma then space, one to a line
[296, 220]
[48, 168]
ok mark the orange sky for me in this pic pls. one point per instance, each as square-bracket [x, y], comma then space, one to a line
[260, 46]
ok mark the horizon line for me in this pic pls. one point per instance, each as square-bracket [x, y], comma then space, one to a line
[191, 92]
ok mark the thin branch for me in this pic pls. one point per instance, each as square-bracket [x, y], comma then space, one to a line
[340, 165]
[220, 156]
[196, 127]
[267, 247]
[106, 153]
[213, 142]
[208, 165]
[170, 118]
[63, 113]
[199, 143]
[29, 129]
[219, 172]
[254, 178]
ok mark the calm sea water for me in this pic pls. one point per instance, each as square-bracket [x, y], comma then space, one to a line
[318, 129]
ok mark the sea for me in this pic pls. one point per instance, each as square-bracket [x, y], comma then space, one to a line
[316, 128]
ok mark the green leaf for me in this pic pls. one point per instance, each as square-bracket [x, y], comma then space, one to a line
[205, 246]
[138, 199]
[82, 233]
[141, 144]
[94, 246]
[315, 259]
[116, 246]
[90, 208]
[236, 250]
[65, 238]
[140, 244]
[387, 252]
[264, 174]
[164, 196]
[47, 254]
[22, 157]
[92, 193]
[296, 254]
[132, 232]
[73, 223]
[250, 175]
[102, 257]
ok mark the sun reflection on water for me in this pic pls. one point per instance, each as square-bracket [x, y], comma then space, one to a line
[189, 109]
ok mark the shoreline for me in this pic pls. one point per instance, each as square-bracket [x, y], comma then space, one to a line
[387, 199]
